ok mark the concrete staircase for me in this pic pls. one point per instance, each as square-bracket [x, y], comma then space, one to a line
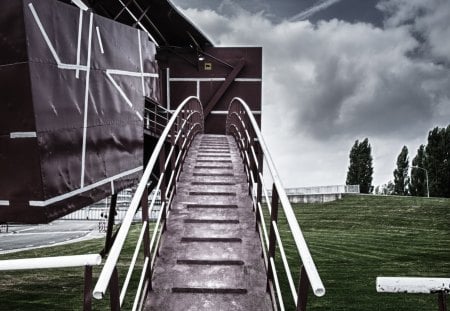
[210, 256]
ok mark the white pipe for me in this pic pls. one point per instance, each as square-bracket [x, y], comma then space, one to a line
[141, 283]
[412, 285]
[285, 263]
[111, 262]
[305, 255]
[80, 4]
[277, 283]
[132, 263]
[51, 262]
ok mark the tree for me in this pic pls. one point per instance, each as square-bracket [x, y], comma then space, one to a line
[388, 189]
[418, 186]
[401, 179]
[438, 161]
[360, 170]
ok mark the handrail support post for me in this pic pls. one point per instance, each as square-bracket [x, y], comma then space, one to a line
[272, 237]
[114, 291]
[302, 297]
[87, 301]
[162, 161]
[145, 218]
[442, 301]
[259, 185]
[110, 228]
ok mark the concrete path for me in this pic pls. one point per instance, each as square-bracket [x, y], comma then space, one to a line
[210, 257]
[26, 237]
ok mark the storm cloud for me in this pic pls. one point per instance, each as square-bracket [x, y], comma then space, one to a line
[329, 83]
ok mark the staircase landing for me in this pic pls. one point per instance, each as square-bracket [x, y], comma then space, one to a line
[210, 256]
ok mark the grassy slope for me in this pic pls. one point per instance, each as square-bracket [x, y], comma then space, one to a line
[356, 239]
[352, 241]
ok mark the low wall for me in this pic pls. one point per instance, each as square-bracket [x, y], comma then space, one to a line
[315, 198]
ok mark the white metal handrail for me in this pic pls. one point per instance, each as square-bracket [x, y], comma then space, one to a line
[237, 126]
[87, 261]
[185, 123]
[51, 262]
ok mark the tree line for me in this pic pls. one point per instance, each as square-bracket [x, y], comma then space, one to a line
[428, 174]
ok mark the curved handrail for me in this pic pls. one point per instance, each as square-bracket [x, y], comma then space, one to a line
[113, 257]
[305, 255]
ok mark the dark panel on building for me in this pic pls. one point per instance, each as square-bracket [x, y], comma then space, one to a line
[72, 88]
[216, 75]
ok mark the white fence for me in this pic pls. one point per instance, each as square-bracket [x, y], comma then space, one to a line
[323, 190]
[99, 211]
[318, 194]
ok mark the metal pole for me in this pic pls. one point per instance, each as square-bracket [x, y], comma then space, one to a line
[272, 237]
[114, 291]
[145, 219]
[87, 302]
[109, 231]
[442, 301]
[302, 290]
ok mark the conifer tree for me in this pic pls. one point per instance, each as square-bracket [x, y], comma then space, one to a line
[360, 170]
[418, 186]
[401, 179]
[438, 161]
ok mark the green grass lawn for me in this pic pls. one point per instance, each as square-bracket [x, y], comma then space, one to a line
[358, 238]
[353, 241]
[62, 289]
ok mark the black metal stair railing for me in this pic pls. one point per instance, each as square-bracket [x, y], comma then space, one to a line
[186, 122]
[243, 126]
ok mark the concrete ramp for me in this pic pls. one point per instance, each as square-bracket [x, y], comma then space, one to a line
[210, 257]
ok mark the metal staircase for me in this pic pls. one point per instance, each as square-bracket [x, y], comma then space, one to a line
[210, 256]
[216, 244]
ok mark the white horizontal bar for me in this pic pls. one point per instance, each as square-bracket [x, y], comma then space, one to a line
[412, 285]
[51, 262]
[226, 112]
[248, 80]
[80, 4]
[4, 202]
[196, 79]
[13, 135]
[72, 67]
[131, 73]
[47, 233]
[84, 189]
[214, 79]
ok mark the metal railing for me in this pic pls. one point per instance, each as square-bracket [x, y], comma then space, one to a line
[185, 123]
[86, 261]
[243, 126]
[156, 118]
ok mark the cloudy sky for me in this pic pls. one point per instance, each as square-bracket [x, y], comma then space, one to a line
[339, 70]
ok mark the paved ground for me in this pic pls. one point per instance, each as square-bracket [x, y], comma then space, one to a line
[22, 237]
[210, 257]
